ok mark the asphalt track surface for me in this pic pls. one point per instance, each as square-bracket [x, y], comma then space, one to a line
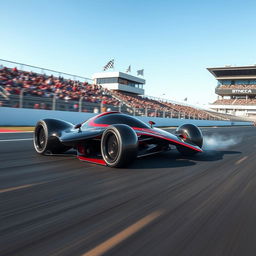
[161, 205]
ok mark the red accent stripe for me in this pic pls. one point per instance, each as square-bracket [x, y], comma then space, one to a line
[92, 160]
[146, 130]
[177, 142]
[92, 123]
[9, 130]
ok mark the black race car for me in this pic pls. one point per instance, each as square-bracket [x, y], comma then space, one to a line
[113, 139]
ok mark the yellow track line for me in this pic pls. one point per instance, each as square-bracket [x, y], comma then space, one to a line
[121, 236]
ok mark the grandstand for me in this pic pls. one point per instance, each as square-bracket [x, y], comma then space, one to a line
[236, 90]
[24, 86]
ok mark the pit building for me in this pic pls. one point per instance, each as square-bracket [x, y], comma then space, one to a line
[236, 90]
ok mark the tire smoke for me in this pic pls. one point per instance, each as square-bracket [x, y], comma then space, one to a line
[218, 142]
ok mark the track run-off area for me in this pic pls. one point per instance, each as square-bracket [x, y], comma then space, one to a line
[165, 204]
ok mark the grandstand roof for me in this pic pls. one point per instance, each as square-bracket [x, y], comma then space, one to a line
[231, 72]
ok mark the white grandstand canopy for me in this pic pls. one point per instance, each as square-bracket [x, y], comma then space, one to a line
[120, 81]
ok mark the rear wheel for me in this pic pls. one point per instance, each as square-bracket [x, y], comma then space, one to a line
[46, 143]
[119, 145]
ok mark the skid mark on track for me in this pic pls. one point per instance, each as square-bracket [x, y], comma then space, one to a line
[121, 236]
[241, 160]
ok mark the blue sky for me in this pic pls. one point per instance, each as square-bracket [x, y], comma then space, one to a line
[174, 41]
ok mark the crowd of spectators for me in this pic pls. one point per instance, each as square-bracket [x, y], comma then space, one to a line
[15, 82]
[190, 111]
[224, 102]
[237, 101]
[176, 109]
[140, 102]
[238, 86]
[33, 84]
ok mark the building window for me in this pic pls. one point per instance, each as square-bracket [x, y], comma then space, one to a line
[107, 80]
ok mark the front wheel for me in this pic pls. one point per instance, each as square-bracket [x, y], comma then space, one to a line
[191, 134]
[119, 145]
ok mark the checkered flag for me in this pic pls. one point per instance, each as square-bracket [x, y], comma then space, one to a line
[128, 70]
[109, 65]
[140, 72]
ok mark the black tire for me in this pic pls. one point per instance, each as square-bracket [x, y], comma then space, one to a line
[119, 145]
[191, 134]
[46, 140]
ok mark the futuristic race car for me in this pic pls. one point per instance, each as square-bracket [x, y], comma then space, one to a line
[113, 139]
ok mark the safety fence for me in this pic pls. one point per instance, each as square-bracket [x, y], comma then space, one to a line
[29, 117]
[80, 105]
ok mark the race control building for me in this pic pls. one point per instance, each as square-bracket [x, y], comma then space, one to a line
[236, 90]
[119, 81]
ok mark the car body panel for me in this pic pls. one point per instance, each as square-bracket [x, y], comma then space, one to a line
[93, 130]
[72, 138]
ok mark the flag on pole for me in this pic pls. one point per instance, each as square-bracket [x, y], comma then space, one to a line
[128, 70]
[140, 72]
[109, 65]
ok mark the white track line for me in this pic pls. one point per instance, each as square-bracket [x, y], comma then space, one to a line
[10, 140]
